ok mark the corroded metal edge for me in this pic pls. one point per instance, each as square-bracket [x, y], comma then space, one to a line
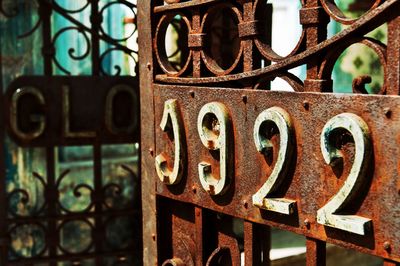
[147, 144]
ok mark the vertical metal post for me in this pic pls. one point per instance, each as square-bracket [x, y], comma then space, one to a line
[51, 189]
[316, 32]
[249, 59]
[248, 17]
[196, 51]
[393, 55]
[95, 20]
[257, 244]
[316, 252]
[3, 196]
[147, 141]
[199, 236]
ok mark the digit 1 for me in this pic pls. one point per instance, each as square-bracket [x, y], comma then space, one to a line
[214, 127]
[171, 120]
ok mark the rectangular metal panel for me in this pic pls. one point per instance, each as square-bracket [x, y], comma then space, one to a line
[73, 110]
[309, 181]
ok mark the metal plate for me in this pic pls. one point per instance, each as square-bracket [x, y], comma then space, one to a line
[61, 106]
[309, 180]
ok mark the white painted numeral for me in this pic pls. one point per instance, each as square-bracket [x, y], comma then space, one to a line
[327, 215]
[172, 120]
[214, 127]
[281, 119]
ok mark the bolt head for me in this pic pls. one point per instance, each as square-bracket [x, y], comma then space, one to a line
[307, 223]
[386, 245]
[306, 105]
[388, 112]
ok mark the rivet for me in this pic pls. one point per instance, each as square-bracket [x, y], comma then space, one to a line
[244, 98]
[245, 204]
[194, 189]
[386, 246]
[388, 112]
[153, 236]
[151, 152]
[148, 66]
[307, 223]
[306, 105]
[191, 94]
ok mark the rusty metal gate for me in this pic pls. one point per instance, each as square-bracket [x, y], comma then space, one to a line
[38, 223]
[218, 147]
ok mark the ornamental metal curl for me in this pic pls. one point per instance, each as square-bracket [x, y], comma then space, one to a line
[311, 49]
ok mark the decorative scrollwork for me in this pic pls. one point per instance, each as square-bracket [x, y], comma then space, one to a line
[86, 3]
[337, 14]
[109, 5]
[82, 231]
[117, 195]
[117, 68]
[359, 82]
[11, 10]
[313, 48]
[19, 201]
[28, 240]
[77, 192]
[260, 10]
[71, 50]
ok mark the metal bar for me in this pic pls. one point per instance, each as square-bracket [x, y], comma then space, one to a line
[147, 143]
[3, 194]
[99, 228]
[390, 263]
[87, 29]
[48, 49]
[316, 252]
[257, 243]
[51, 189]
[69, 257]
[97, 160]
[248, 45]
[199, 236]
[196, 52]
[393, 57]
[74, 216]
[95, 19]
[315, 33]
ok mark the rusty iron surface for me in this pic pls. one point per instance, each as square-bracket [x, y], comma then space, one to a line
[310, 181]
[235, 69]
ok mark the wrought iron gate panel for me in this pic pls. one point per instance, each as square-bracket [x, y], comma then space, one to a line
[219, 147]
[60, 111]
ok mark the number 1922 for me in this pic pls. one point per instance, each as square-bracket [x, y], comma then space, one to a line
[214, 127]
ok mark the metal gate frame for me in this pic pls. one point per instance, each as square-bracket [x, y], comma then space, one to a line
[319, 54]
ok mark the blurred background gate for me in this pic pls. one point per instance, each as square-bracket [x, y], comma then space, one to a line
[69, 202]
